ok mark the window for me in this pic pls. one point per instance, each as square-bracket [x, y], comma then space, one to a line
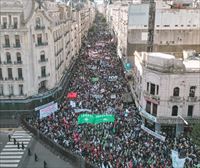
[17, 41]
[15, 23]
[174, 110]
[20, 75]
[148, 107]
[157, 89]
[190, 110]
[4, 23]
[37, 22]
[1, 75]
[39, 39]
[10, 75]
[155, 109]
[42, 56]
[1, 89]
[7, 41]
[192, 91]
[176, 91]
[152, 91]
[43, 71]
[147, 86]
[21, 92]
[11, 90]
[19, 59]
[8, 57]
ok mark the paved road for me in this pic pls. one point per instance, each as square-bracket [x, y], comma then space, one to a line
[12, 157]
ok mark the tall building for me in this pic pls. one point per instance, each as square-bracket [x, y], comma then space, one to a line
[176, 26]
[39, 41]
[167, 90]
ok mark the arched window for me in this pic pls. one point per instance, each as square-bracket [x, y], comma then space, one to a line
[42, 56]
[19, 58]
[8, 57]
[175, 110]
[38, 22]
[176, 91]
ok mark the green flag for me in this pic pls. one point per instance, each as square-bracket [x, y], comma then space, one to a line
[85, 118]
[101, 118]
[95, 118]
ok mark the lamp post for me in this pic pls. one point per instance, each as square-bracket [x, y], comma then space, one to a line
[179, 127]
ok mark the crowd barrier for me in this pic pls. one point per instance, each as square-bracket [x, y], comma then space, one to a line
[76, 160]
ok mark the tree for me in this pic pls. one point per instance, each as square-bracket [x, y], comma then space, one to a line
[195, 135]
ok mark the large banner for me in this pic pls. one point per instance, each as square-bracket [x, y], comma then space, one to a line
[176, 162]
[162, 138]
[44, 112]
[95, 118]
[82, 110]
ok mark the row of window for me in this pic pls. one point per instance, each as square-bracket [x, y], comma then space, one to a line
[10, 73]
[7, 41]
[189, 112]
[6, 22]
[153, 89]
[9, 60]
[151, 108]
[174, 25]
[11, 89]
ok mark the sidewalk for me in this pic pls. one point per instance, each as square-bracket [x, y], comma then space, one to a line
[52, 160]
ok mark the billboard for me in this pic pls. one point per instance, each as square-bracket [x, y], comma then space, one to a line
[44, 112]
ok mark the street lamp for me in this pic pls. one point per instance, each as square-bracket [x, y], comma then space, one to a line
[186, 123]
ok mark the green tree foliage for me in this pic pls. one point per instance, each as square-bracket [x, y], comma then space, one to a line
[195, 135]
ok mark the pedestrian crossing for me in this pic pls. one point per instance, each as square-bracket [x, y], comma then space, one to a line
[11, 155]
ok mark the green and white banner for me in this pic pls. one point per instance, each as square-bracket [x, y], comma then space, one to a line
[95, 118]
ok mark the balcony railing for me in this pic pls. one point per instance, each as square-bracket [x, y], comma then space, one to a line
[7, 62]
[6, 46]
[9, 78]
[39, 27]
[41, 44]
[19, 79]
[18, 62]
[175, 99]
[43, 60]
[192, 99]
[17, 45]
[44, 76]
[152, 97]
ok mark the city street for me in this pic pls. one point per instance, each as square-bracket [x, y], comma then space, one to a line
[12, 157]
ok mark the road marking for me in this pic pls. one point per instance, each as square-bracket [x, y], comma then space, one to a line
[9, 161]
[9, 143]
[25, 136]
[10, 157]
[8, 165]
[13, 149]
[14, 146]
[19, 134]
[20, 131]
[11, 153]
[18, 139]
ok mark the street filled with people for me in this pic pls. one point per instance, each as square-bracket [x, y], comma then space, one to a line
[97, 86]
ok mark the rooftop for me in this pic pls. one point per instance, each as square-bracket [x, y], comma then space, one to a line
[161, 55]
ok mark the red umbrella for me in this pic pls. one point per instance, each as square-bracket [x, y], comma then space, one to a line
[72, 95]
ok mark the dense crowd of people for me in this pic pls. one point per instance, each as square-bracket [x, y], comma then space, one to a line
[119, 144]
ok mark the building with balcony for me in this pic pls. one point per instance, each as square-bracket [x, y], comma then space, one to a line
[39, 41]
[165, 88]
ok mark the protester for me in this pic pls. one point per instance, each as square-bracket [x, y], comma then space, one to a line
[99, 83]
